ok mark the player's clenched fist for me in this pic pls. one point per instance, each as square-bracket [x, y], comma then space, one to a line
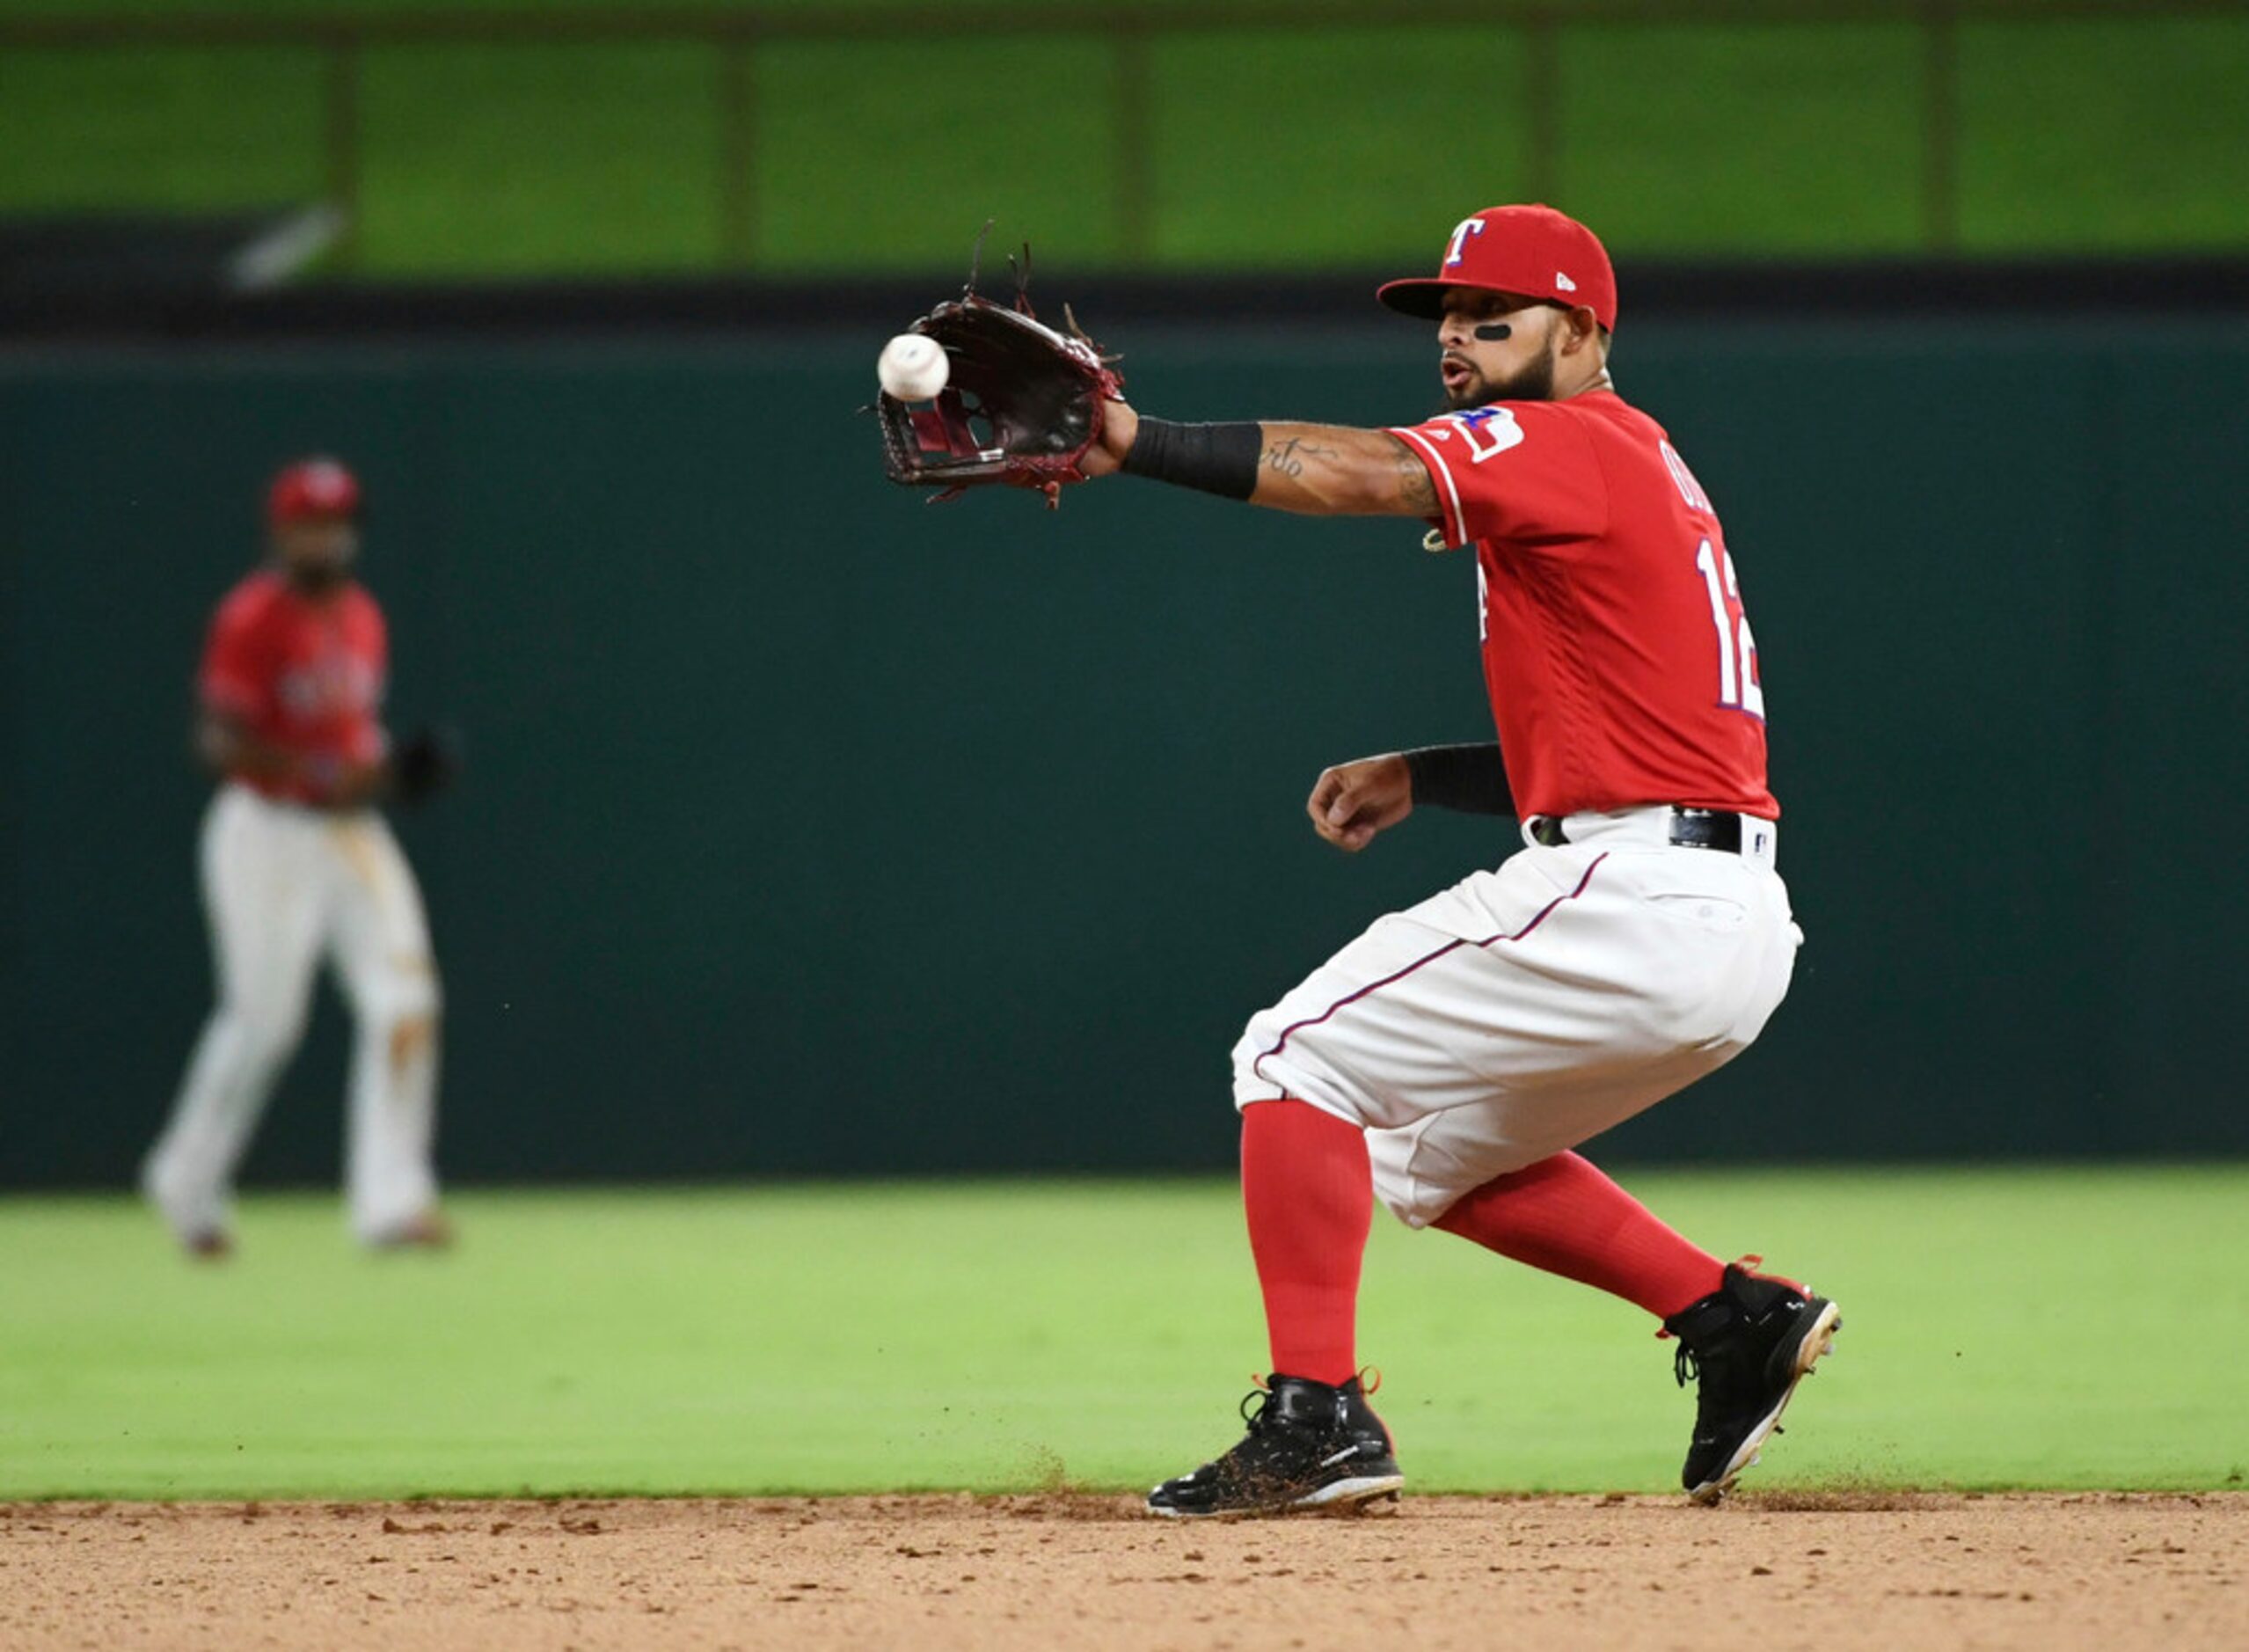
[1351, 801]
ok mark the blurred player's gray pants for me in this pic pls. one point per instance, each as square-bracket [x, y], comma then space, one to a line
[284, 886]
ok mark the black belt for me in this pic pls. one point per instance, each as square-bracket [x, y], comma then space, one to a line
[1690, 828]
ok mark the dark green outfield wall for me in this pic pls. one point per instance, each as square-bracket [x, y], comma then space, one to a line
[811, 829]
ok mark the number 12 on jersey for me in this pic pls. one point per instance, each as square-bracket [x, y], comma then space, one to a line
[1738, 687]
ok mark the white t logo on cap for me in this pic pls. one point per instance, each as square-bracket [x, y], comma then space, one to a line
[1461, 231]
[1563, 283]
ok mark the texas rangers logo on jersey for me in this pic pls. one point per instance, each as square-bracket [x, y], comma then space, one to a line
[1488, 431]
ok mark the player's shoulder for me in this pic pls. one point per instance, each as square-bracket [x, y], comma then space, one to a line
[1628, 440]
[1638, 456]
[252, 600]
[359, 605]
[1544, 431]
[1606, 410]
[1573, 414]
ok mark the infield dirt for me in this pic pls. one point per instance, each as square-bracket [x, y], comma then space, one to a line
[1833, 1570]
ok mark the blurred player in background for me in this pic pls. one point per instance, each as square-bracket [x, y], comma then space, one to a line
[299, 865]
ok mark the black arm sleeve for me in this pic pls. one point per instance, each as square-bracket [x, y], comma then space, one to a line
[1220, 459]
[1470, 778]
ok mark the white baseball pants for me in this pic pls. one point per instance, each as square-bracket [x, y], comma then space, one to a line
[1527, 1009]
[284, 886]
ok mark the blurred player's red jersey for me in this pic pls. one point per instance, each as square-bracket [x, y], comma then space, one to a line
[302, 674]
[1620, 665]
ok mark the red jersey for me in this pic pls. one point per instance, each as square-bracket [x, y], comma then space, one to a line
[1620, 662]
[302, 674]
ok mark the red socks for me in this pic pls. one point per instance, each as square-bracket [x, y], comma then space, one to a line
[1563, 1217]
[1309, 1195]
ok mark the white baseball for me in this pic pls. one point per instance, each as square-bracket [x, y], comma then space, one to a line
[913, 367]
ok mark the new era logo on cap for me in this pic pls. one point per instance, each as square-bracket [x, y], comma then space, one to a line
[1563, 283]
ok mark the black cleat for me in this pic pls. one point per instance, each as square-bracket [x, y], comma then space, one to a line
[1310, 1446]
[1747, 1344]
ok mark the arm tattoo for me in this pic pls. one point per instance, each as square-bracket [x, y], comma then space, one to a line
[1288, 457]
[1415, 487]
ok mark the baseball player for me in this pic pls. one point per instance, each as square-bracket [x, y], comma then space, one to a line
[1449, 1059]
[299, 865]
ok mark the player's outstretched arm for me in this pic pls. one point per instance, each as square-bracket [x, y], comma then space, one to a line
[1337, 470]
[1313, 469]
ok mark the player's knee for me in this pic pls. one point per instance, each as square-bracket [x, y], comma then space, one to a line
[267, 1034]
[412, 1039]
[424, 1003]
[1248, 1083]
[1246, 1048]
[1261, 1035]
[430, 992]
[408, 993]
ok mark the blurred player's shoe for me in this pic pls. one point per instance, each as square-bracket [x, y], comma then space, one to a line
[425, 1231]
[201, 1236]
[1747, 1344]
[1310, 1446]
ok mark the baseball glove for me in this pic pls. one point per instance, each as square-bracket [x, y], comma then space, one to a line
[425, 765]
[1021, 403]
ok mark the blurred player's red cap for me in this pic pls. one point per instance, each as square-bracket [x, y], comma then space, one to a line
[1535, 251]
[311, 488]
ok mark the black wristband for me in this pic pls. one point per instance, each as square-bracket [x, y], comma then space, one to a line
[1470, 778]
[1220, 459]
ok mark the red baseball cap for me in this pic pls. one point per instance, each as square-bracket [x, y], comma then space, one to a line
[311, 488]
[1533, 250]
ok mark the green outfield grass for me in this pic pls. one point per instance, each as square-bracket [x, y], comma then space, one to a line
[1267, 148]
[2062, 1328]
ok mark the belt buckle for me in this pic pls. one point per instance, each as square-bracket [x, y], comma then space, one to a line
[1705, 829]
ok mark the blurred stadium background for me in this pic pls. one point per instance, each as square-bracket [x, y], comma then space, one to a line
[512, 138]
[812, 833]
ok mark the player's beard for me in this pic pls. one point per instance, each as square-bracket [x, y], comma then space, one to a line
[317, 579]
[1535, 382]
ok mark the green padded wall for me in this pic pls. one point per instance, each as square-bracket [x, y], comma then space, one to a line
[811, 829]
